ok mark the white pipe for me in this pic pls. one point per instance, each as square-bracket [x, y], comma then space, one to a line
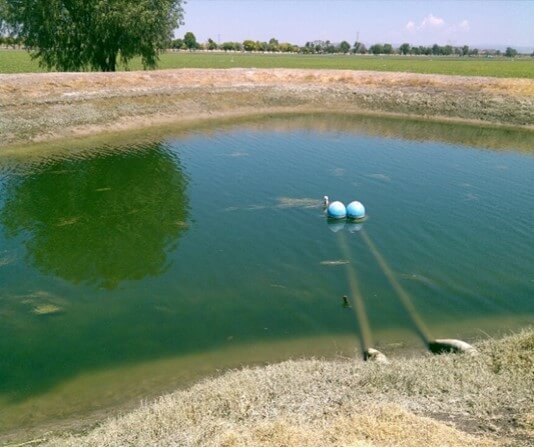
[443, 345]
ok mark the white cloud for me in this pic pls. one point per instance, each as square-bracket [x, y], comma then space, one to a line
[432, 24]
[431, 21]
[464, 26]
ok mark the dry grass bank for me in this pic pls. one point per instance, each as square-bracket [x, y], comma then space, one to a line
[447, 400]
[37, 107]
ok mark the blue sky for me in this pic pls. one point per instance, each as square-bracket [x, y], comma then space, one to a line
[476, 23]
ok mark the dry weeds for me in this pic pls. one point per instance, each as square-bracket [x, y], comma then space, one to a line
[53, 105]
[447, 400]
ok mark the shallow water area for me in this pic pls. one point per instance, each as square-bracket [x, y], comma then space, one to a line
[127, 270]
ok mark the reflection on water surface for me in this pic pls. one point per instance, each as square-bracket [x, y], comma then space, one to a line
[125, 271]
[100, 220]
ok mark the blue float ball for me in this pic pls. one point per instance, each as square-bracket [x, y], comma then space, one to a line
[336, 210]
[355, 210]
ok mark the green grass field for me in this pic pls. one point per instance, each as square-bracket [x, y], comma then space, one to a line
[18, 61]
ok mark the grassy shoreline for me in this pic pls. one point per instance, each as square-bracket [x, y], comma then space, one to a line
[447, 400]
[54, 106]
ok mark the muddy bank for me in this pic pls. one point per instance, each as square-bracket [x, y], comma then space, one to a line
[40, 107]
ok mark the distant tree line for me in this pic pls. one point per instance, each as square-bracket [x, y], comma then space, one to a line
[189, 42]
[12, 41]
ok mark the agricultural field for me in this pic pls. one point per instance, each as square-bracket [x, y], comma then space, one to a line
[19, 61]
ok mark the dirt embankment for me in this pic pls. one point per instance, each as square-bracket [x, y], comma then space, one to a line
[38, 107]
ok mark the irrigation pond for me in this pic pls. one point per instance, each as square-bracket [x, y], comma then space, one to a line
[131, 268]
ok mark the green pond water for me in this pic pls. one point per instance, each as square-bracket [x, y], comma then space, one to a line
[131, 268]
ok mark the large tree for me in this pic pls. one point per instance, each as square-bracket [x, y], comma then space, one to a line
[190, 41]
[344, 47]
[510, 52]
[212, 45]
[73, 35]
[249, 45]
[377, 48]
[404, 48]
[388, 48]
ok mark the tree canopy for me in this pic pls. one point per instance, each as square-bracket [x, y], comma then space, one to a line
[190, 41]
[404, 48]
[73, 35]
[344, 47]
[510, 52]
[377, 48]
[359, 47]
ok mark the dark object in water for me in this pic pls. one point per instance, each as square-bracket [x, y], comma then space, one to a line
[345, 301]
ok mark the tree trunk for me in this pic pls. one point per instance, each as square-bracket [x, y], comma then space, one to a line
[112, 61]
[108, 62]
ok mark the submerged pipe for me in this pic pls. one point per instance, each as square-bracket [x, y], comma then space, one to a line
[357, 299]
[405, 299]
[436, 346]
